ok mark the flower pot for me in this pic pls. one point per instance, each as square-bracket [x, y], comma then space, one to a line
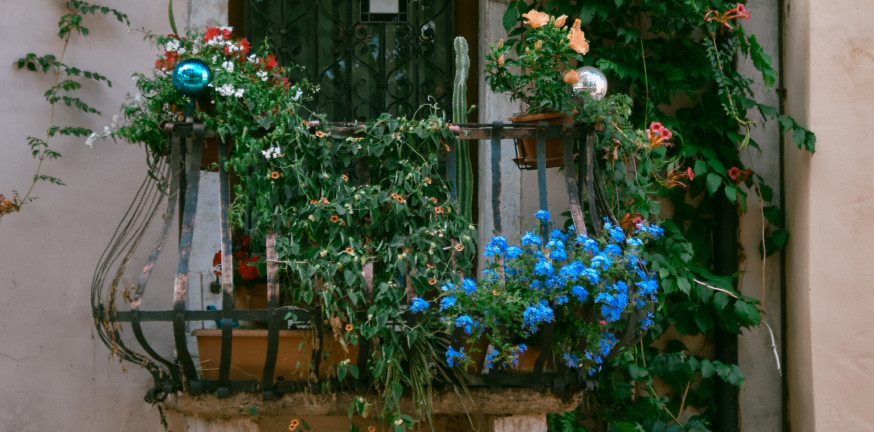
[526, 148]
[249, 351]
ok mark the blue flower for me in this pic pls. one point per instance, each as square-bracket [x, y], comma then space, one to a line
[592, 275]
[634, 242]
[513, 252]
[646, 322]
[543, 215]
[536, 314]
[490, 357]
[648, 287]
[560, 300]
[447, 302]
[607, 342]
[452, 356]
[602, 261]
[448, 286]
[469, 286]
[558, 254]
[616, 233]
[580, 293]
[531, 239]
[544, 268]
[654, 231]
[419, 305]
[613, 249]
[467, 323]
[589, 245]
[489, 274]
[496, 246]
[572, 270]
[571, 360]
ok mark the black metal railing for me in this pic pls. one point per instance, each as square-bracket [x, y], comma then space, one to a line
[178, 181]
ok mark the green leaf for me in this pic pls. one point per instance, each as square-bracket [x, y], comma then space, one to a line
[720, 300]
[636, 372]
[341, 372]
[714, 181]
[707, 369]
[748, 313]
[762, 62]
[510, 18]
[731, 194]
[684, 285]
[730, 374]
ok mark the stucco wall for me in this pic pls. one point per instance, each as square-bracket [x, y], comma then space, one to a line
[829, 59]
[55, 375]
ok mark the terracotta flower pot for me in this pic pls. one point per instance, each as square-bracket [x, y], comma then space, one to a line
[249, 351]
[526, 148]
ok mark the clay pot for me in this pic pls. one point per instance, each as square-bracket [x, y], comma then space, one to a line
[526, 148]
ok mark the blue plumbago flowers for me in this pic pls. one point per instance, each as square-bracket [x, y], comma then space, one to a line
[418, 305]
[588, 287]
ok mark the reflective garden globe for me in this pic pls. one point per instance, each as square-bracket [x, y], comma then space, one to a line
[592, 81]
[192, 77]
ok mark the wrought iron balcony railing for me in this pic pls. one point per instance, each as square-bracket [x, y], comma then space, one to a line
[114, 318]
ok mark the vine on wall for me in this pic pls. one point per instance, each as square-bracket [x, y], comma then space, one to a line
[66, 80]
[658, 53]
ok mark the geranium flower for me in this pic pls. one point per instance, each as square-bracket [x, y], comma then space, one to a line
[572, 77]
[536, 18]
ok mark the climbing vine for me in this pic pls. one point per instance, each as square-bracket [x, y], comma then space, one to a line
[66, 80]
[674, 63]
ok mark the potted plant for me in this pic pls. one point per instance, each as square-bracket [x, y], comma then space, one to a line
[596, 289]
[250, 275]
[362, 216]
[536, 66]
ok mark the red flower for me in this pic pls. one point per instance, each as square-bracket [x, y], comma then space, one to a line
[270, 62]
[631, 220]
[245, 46]
[690, 173]
[738, 175]
[168, 61]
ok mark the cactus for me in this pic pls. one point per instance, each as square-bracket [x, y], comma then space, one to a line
[464, 171]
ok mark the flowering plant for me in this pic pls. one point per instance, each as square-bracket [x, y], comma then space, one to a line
[247, 91]
[541, 72]
[247, 267]
[362, 216]
[597, 288]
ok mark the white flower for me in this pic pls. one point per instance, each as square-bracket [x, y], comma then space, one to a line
[214, 59]
[271, 153]
[90, 141]
[263, 75]
[228, 66]
[239, 93]
[225, 90]
[107, 131]
[172, 45]
[399, 422]
[195, 50]
[252, 58]
[297, 94]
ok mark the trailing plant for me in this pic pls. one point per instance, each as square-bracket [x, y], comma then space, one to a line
[658, 53]
[596, 289]
[362, 214]
[66, 80]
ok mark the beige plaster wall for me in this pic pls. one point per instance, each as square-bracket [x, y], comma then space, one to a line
[829, 59]
[55, 375]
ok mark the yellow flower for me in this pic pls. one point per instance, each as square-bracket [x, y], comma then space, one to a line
[578, 38]
[294, 424]
[536, 18]
[349, 327]
[559, 22]
[274, 175]
[571, 77]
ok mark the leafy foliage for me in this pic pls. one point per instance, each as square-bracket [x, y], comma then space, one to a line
[62, 91]
[660, 53]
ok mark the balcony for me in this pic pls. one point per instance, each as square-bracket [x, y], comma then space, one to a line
[119, 312]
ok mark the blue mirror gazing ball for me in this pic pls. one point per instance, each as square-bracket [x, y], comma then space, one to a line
[192, 77]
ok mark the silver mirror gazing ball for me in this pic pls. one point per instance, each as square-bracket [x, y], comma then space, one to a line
[592, 81]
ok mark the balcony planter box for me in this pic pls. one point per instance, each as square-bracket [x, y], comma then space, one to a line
[249, 350]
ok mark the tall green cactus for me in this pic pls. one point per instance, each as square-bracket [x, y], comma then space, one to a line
[464, 171]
